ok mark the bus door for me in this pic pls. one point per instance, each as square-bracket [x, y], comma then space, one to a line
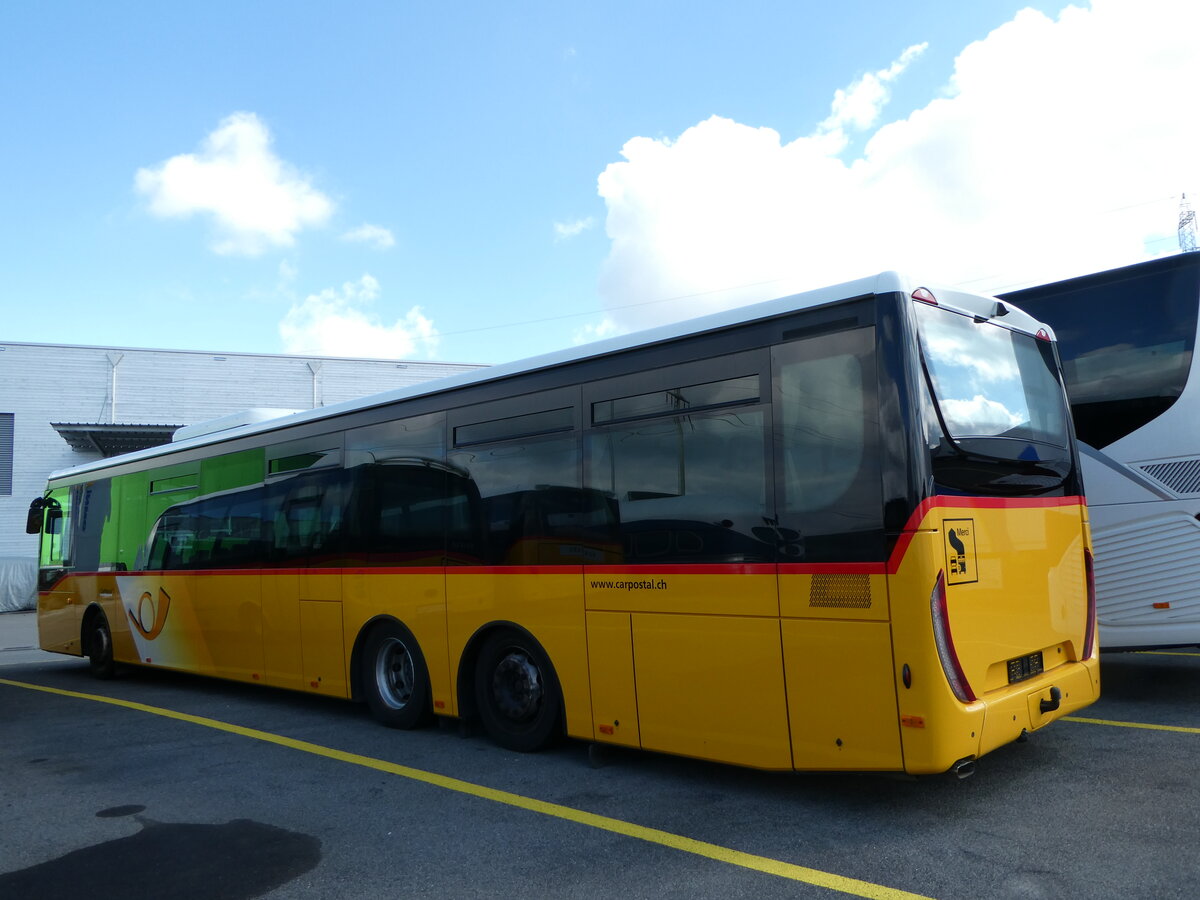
[224, 584]
[836, 629]
[58, 609]
[683, 628]
[303, 634]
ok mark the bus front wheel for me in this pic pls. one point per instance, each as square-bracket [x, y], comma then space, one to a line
[395, 679]
[97, 644]
[517, 693]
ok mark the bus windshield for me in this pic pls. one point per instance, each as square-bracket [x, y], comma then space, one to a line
[996, 395]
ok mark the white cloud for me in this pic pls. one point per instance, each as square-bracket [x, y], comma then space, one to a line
[256, 199]
[342, 323]
[595, 332]
[860, 105]
[566, 230]
[979, 415]
[1058, 146]
[377, 236]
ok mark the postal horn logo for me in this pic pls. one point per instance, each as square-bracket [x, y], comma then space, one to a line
[151, 614]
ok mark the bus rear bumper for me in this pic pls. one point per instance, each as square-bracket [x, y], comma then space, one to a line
[1053, 695]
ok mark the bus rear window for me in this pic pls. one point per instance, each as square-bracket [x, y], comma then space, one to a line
[990, 382]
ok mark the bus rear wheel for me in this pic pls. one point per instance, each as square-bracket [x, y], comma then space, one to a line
[517, 693]
[97, 644]
[395, 679]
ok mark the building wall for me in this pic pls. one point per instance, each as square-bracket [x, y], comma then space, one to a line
[45, 383]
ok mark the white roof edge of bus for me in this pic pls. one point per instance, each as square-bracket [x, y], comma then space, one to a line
[970, 303]
[881, 283]
[252, 416]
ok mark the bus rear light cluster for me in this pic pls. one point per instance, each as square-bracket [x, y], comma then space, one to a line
[924, 295]
[1089, 637]
[945, 643]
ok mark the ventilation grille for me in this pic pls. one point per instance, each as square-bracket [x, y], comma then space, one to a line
[1182, 477]
[841, 591]
[6, 453]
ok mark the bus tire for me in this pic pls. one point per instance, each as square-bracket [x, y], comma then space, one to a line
[97, 644]
[395, 680]
[517, 693]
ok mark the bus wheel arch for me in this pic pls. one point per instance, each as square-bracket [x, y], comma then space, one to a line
[389, 672]
[507, 682]
[95, 642]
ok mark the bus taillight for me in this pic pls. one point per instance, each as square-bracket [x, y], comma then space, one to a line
[925, 296]
[945, 643]
[1089, 637]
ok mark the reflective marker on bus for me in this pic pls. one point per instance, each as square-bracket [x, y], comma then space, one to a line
[843, 530]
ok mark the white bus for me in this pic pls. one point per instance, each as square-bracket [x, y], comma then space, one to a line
[1127, 339]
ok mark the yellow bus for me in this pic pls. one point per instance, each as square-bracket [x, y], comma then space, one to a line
[843, 530]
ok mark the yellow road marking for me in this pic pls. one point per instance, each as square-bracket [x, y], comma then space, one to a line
[605, 823]
[1166, 653]
[1180, 728]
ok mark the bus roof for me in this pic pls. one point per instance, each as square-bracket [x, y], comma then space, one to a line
[883, 282]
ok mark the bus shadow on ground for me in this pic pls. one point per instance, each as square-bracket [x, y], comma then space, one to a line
[172, 861]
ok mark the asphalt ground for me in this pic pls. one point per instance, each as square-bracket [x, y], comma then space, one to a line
[160, 785]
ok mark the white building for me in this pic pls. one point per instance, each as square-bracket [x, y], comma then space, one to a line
[62, 405]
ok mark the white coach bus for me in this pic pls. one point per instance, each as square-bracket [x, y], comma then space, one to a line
[1127, 339]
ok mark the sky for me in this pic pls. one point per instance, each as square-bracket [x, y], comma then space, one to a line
[481, 182]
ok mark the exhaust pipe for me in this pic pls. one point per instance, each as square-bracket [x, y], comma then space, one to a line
[964, 768]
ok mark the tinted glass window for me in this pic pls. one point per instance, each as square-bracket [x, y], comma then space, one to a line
[1126, 342]
[309, 518]
[533, 508]
[411, 507]
[218, 533]
[686, 488]
[674, 400]
[991, 382]
[298, 521]
[417, 513]
[827, 467]
[305, 460]
[421, 437]
[545, 422]
[171, 543]
[91, 507]
[175, 483]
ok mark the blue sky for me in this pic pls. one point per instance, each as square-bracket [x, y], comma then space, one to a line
[482, 182]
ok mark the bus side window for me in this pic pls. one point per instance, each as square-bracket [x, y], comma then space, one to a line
[689, 488]
[827, 467]
[170, 545]
[305, 517]
[516, 481]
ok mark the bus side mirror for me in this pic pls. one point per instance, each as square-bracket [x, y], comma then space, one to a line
[33, 522]
[37, 510]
